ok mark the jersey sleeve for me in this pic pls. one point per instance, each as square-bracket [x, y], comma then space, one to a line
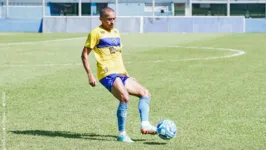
[92, 40]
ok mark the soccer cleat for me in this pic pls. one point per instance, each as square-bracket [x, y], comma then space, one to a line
[124, 138]
[148, 129]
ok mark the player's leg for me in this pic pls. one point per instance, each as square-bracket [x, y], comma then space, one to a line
[136, 89]
[119, 91]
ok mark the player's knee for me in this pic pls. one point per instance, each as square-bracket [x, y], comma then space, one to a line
[145, 93]
[124, 97]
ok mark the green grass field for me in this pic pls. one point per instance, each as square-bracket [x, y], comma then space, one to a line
[216, 100]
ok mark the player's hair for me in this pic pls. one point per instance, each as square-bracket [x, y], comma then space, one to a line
[105, 10]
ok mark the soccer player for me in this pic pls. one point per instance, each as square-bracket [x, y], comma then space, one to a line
[105, 42]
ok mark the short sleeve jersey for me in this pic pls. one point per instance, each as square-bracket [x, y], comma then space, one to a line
[107, 48]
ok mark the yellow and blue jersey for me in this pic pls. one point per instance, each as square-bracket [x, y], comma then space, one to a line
[107, 48]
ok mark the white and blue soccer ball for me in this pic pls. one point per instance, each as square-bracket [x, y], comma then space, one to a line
[166, 129]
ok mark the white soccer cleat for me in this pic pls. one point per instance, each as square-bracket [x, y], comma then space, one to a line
[148, 129]
[124, 138]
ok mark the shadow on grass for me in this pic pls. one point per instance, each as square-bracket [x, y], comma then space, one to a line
[67, 134]
[155, 143]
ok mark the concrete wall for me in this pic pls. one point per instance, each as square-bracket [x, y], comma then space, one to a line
[35, 25]
[20, 25]
[255, 25]
[134, 24]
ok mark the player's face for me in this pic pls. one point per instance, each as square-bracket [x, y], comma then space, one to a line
[108, 21]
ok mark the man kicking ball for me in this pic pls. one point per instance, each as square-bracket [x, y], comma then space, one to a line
[105, 42]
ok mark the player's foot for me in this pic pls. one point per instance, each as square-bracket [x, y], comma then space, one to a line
[148, 129]
[124, 138]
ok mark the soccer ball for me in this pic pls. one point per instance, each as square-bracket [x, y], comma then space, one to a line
[166, 129]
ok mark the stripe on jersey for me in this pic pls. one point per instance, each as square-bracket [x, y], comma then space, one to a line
[107, 42]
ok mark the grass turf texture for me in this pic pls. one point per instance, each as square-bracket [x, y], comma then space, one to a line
[216, 104]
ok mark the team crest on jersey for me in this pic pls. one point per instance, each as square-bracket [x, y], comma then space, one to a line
[102, 32]
[115, 31]
[114, 41]
[114, 50]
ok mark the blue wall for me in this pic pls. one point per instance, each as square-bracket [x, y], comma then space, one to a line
[25, 12]
[35, 25]
[20, 25]
[255, 25]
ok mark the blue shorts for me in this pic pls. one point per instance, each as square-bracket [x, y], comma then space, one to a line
[109, 80]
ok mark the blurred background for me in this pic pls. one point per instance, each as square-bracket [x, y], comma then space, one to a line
[33, 12]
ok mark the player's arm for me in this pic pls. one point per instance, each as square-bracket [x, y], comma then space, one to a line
[89, 46]
[86, 64]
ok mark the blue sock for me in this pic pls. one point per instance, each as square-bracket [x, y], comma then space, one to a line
[122, 115]
[144, 106]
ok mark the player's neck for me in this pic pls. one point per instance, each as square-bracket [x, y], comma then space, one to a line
[108, 30]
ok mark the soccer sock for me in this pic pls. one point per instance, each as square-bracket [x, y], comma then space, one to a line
[121, 116]
[144, 107]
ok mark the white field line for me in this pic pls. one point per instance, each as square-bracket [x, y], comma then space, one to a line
[237, 53]
[40, 65]
[4, 120]
[39, 42]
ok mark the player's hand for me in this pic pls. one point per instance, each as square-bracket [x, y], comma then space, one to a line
[92, 80]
